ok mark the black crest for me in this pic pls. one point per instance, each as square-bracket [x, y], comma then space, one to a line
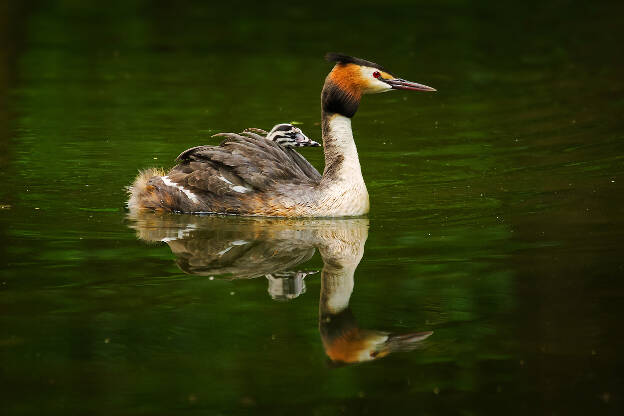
[346, 59]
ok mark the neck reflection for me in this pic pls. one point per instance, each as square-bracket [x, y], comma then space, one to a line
[244, 248]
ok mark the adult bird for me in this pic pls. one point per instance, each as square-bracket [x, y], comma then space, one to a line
[247, 175]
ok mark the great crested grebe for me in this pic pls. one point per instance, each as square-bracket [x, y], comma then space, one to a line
[249, 175]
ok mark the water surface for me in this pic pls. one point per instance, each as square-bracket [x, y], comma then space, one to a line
[496, 212]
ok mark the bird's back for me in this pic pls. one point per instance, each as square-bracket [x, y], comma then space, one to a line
[243, 175]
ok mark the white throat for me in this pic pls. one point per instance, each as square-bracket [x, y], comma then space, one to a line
[341, 156]
[341, 135]
[342, 185]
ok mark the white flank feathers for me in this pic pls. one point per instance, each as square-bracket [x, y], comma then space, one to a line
[240, 189]
[237, 188]
[186, 192]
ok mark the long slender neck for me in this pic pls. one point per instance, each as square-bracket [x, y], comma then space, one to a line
[342, 191]
[341, 157]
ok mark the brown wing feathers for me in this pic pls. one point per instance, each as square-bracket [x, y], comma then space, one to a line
[245, 174]
[256, 161]
[241, 176]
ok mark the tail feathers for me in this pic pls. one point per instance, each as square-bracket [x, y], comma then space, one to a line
[143, 195]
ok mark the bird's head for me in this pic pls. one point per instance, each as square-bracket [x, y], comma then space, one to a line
[361, 345]
[345, 342]
[290, 136]
[353, 77]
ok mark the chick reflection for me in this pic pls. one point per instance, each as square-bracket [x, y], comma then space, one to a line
[239, 247]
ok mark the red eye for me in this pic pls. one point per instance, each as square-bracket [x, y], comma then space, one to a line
[376, 74]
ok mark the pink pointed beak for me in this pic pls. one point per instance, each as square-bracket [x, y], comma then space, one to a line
[401, 84]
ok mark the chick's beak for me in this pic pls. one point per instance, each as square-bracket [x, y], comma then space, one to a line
[300, 137]
[401, 84]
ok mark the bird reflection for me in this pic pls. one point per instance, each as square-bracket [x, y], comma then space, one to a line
[248, 247]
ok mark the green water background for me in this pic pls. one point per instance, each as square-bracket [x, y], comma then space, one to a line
[496, 207]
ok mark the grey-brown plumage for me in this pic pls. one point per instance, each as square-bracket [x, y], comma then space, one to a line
[243, 175]
[251, 159]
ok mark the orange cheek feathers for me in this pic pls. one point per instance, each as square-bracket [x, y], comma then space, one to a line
[349, 79]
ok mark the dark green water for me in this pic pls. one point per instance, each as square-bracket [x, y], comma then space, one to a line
[496, 211]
